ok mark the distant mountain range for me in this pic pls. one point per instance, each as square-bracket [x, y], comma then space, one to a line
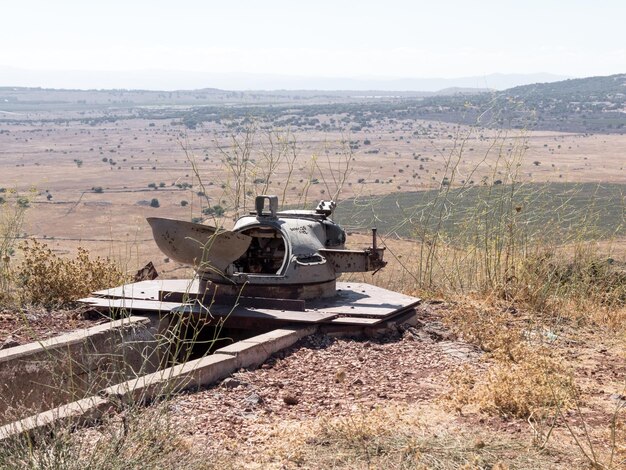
[171, 80]
[593, 104]
[602, 88]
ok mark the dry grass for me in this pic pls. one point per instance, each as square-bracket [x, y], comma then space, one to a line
[44, 278]
[388, 437]
[12, 212]
[128, 441]
[513, 294]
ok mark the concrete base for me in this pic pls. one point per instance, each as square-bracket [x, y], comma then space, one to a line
[42, 375]
[256, 350]
[190, 375]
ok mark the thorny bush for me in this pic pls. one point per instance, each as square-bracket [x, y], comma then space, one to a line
[47, 279]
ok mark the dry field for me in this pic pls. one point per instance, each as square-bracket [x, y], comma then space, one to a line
[526, 371]
[63, 164]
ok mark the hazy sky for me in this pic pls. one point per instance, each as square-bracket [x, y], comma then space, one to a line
[391, 38]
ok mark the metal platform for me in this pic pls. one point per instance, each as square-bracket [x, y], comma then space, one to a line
[356, 304]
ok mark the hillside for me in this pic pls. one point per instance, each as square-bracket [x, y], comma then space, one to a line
[611, 88]
[586, 105]
[594, 104]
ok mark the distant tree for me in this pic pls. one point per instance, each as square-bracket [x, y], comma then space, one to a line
[215, 210]
[154, 202]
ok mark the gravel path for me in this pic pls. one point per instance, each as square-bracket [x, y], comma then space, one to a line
[322, 375]
[21, 327]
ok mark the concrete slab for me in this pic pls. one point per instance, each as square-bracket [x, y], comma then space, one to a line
[75, 413]
[163, 383]
[256, 350]
[69, 339]
[42, 375]
[192, 374]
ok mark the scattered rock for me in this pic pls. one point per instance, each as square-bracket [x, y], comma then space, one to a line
[290, 399]
[439, 333]
[253, 399]
[10, 342]
[230, 383]
[461, 351]
[340, 376]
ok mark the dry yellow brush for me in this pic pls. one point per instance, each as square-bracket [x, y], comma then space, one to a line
[44, 278]
[522, 375]
[527, 373]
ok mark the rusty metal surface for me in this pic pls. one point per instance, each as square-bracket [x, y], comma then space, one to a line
[224, 311]
[355, 321]
[363, 300]
[147, 273]
[149, 290]
[209, 298]
[205, 248]
[131, 305]
[311, 290]
[358, 304]
[214, 311]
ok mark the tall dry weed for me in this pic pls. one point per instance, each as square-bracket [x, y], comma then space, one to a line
[13, 207]
[47, 279]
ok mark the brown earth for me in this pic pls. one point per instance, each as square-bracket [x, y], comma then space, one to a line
[19, 326]
[325, 401]
[67, 212]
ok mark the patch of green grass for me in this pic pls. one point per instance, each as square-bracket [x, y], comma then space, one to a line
[585, 210]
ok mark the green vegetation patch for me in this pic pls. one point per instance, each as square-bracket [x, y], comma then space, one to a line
[563, 210]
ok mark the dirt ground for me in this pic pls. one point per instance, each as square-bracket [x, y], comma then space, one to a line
[19, 326]
[342, 402]
[59, 165]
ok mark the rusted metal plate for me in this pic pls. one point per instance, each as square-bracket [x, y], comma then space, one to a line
[277, 287]
[216, 311]
[224, 311]
[356, 303]
[357, 299]
[256, 302]
[356, 321]
[131, 305]
[149, 290]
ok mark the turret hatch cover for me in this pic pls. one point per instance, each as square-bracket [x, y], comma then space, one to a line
[204, 247]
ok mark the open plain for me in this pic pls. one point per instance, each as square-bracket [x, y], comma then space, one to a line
[514, 237]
